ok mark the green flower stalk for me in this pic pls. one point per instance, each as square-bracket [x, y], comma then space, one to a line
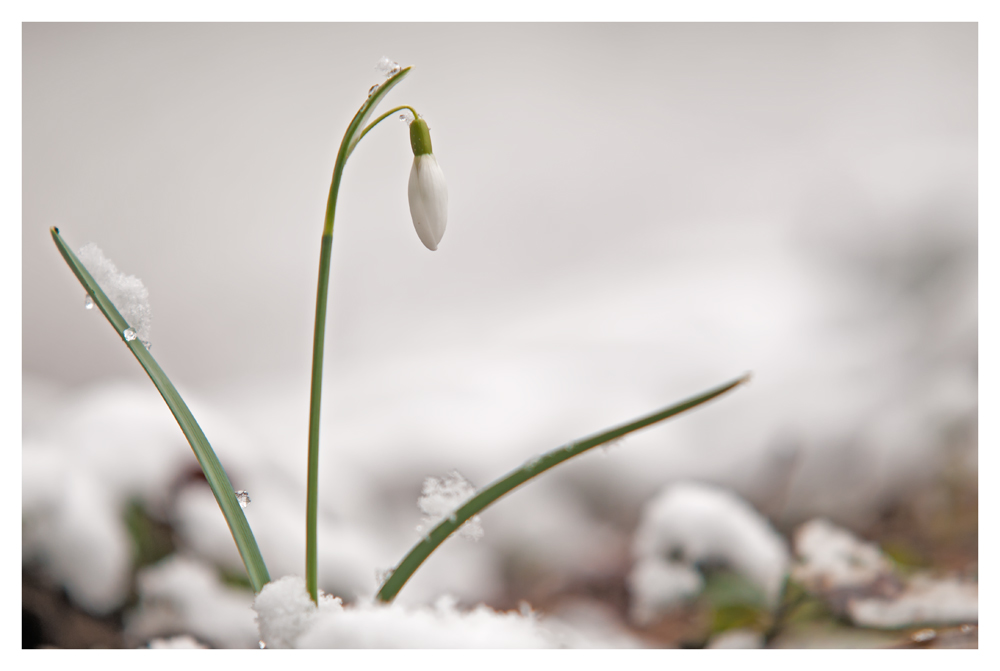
[428, 205]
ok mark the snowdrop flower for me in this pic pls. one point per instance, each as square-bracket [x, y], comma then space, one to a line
[427, 191]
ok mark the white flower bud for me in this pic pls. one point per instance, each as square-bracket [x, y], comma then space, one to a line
[428, 191]
[428, 194]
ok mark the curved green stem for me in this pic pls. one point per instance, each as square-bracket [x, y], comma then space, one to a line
[207, 459]
[384, 116]
[352, 136]
[489, 494]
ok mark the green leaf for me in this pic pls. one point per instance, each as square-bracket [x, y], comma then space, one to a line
[151, 540]
[489, 494]
[735, 602]
[354, 130]
[214, 473]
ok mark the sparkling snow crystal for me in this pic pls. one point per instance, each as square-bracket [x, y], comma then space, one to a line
[387, 67]
[441, 498]
[127, 292]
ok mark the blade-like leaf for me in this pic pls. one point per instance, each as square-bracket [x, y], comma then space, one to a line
[214, 473]
[489, 494]
[365, 112]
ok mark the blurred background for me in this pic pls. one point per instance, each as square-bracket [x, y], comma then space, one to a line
[637, 212]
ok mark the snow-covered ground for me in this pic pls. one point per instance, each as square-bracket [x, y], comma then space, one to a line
[629, 225]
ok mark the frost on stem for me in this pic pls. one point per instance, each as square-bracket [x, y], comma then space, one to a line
[441, 498]
[127, 292]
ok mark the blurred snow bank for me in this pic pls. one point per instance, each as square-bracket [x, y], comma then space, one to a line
[832, 558]
[72, 527]
[288, 619]
[857, 579]
[81, 464]
[737, 639]
[688, 524]
[924, 600]
[181, 595]
[183, 642]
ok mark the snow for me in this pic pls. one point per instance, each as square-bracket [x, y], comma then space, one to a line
[443, 496]
[285, 611]
[739, 639]
[80, 468]
[925, 600]
[834, 563]
[182, 594]
[287, 618]
[833, 558]
[73, 529]
[127, 292]
[688, 523]
[386, 66]
[183, 642]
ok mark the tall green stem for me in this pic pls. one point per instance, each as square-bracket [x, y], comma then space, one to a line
[316, 390]
[355, 131]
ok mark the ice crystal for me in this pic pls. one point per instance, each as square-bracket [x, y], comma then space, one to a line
[127, 292]
[441, 498]
[387, 67]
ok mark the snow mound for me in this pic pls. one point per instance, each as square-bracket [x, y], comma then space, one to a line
[688, 524]
[71, 525]
[858, 580]
[925, 600]
[182, 642]
[833, 558]
[183, 595]
[287, 618]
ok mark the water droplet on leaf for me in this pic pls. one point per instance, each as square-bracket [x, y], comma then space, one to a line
[129, 334]
[243, 497]
[88, 302]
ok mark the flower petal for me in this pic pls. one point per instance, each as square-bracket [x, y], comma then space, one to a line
[428, 195]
